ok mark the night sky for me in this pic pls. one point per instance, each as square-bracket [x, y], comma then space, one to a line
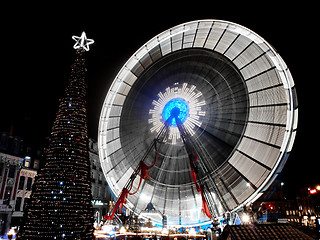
[36, 53]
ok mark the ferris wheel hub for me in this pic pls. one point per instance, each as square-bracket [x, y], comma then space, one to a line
[176, 108]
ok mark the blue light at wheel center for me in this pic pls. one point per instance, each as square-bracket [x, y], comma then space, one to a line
[176, 103]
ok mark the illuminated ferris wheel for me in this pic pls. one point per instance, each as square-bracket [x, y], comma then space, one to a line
[201, 117]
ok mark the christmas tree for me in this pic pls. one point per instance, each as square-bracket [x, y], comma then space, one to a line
[60, 205]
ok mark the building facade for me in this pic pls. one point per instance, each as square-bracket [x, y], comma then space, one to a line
[308, 203]
[17, 174]
[100, 192]
[16, 179]
[9, 178]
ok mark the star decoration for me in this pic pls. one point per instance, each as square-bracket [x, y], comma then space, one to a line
[82, 42]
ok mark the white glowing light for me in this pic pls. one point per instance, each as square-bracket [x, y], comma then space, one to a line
[122, 230]
[82, 42]
[11, 232]
[195, 101]
[107, 228]
[245, 218]
[165, 231]
[192, 232]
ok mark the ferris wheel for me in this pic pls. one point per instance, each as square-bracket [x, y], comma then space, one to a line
[209, 108]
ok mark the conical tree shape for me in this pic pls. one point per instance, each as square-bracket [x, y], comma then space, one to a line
[60, 205]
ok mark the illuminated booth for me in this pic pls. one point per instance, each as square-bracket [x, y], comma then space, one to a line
[237, 104]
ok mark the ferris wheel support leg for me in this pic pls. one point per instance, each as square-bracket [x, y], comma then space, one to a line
[215, 188]
[202, 155]
[210, 200]
[160, 137]
[191, 149]
[136, 203]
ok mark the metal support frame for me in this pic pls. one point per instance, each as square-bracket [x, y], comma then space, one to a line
[160, 137]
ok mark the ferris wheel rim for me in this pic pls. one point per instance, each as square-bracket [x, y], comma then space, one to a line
[278, 64]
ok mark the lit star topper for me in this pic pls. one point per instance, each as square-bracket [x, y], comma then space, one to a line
[82, 42]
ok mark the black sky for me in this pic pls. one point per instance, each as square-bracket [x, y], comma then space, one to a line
[36, 51]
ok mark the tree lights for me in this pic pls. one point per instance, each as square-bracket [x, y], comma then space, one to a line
[60, 206]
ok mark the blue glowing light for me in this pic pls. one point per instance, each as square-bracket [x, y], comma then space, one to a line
[172, 108]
